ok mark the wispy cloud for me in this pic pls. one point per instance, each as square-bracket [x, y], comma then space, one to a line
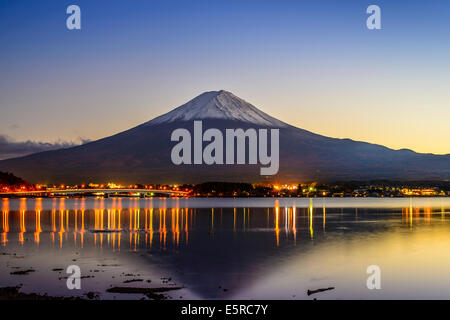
[10, 148]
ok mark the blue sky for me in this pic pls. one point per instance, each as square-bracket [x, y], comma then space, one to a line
[313, 64]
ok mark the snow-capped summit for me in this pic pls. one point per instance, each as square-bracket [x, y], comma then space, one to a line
[218, 105]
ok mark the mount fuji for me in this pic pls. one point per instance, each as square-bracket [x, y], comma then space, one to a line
[142, 154]
[219, 105]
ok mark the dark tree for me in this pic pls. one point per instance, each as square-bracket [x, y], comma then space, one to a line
[7, 178]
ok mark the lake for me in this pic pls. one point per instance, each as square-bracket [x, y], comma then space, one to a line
[229, 248]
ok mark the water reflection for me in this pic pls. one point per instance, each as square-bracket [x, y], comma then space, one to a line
[140, 228]
[257, 248]
[5, 221]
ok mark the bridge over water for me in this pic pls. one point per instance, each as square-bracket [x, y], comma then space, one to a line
[124, 191]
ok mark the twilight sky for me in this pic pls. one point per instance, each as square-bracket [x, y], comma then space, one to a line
[313, 64]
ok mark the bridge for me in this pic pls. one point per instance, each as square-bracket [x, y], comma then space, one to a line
[96, 192]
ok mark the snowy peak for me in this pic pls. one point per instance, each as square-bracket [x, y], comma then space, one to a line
[218, 105]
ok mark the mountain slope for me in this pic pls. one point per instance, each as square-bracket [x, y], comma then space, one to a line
[142, 154]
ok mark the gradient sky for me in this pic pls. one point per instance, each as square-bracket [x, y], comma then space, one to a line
[313, 64]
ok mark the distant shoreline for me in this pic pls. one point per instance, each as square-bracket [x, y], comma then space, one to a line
[346, 189]
[13, 196]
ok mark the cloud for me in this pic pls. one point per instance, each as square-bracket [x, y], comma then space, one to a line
[11, 149]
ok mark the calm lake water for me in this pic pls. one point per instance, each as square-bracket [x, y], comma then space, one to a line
[229, 248]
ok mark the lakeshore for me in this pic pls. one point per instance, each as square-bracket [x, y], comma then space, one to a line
[376, 189]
